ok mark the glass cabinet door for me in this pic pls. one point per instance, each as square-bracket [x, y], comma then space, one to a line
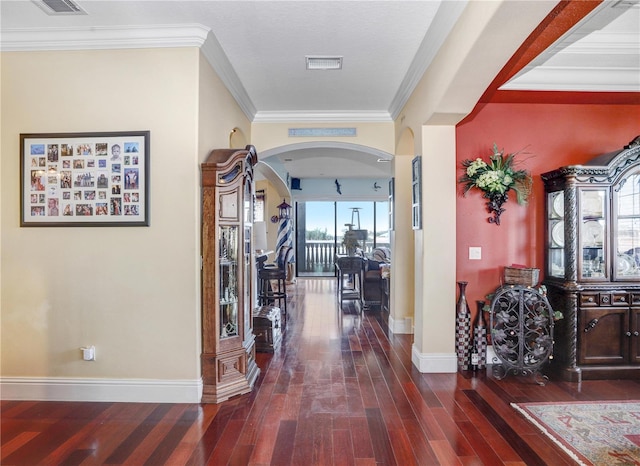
[593, 233]
[228, 298]
[627, 244]
[555, 234]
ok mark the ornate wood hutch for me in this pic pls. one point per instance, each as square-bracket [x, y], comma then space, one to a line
[593, 265]
[228, 343]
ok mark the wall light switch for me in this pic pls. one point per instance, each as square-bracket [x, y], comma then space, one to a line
[475, 253]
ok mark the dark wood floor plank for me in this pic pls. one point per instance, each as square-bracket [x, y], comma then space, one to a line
[283, 448]
[224, 450]
[445, 453]
[17, 441]
[71, 421]
[292, 402]
[419, 443]
[209, 440]
[268, 431]
[156, 435]
[524, 450]
[170, 441]
[188, 446]
[361, 438]
[126, 448]
[341, 389]
[342, 447]
[380, 437]
[456, 439]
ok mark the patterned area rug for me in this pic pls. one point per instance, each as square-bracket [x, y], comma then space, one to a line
[603, 433]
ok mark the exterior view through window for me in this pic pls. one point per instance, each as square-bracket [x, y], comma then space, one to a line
[321, 227]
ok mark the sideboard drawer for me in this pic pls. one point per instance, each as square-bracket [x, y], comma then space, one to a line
[589, 299]
[620, 298]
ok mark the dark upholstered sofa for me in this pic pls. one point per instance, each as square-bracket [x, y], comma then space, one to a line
[372, 284]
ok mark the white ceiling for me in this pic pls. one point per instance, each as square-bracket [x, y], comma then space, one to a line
[259, 50]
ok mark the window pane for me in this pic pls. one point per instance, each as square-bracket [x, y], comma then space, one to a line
[382, 225]
[356, 216]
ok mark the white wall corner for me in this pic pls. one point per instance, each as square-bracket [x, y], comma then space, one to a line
[111, 390]
[401, 326]
[434, 363]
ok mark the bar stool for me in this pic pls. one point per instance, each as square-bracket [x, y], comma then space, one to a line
[272, 288]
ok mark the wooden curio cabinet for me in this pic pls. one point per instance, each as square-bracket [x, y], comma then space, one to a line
[593, 265]
[228, 343]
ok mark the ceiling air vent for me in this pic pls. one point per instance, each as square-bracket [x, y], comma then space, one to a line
[324, 63]
[59, 7]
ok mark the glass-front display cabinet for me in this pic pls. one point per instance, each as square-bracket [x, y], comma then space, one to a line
[593, 264]
[228, 343]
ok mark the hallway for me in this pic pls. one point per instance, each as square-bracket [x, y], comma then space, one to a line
[339, 391]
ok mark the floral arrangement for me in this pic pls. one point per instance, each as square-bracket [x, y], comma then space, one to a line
[495, 179]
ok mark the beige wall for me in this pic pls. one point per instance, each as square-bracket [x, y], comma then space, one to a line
[133, 292]
[218, 115]
[273, 200]
[402, 273]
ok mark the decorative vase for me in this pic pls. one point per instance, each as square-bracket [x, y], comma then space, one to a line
[463, 328]
[479, 352]
[494, 206]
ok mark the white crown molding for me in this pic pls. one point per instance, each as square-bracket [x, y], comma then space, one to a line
[213, 52]
[553, 78]
[101, 38]
[112, 390]
[320, 116]
[445, 18]
[601, 42]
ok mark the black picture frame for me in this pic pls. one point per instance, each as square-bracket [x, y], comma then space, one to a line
[392, 225]
[416, 192]
[84, 179]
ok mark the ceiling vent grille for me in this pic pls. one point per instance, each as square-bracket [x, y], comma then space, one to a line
[60, 7]
[324, 63]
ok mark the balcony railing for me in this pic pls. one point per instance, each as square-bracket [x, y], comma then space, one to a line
[319, 255]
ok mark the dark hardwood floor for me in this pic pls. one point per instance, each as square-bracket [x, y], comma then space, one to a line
[341, 390]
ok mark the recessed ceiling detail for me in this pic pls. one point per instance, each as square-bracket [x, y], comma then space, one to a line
[599, 55]
[323, 63]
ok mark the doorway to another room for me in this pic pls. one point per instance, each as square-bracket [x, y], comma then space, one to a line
[321, 228]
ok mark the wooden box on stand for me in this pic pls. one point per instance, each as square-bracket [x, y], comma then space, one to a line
[267, 327]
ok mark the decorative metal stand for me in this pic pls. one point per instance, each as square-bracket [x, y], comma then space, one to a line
[521, 332]
[494, 206]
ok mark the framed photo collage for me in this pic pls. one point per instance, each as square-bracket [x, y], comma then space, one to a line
[85, 179]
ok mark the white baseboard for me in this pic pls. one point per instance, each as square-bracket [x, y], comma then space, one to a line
[434, 363]
[443, 362]
[401, 326]
[112, 390]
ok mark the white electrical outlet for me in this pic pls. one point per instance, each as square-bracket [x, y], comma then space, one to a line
[89, 353]
[475, 253]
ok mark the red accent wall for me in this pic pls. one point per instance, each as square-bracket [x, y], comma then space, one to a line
[553, 135]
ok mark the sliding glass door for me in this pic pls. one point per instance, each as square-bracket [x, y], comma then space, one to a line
[321, 227]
